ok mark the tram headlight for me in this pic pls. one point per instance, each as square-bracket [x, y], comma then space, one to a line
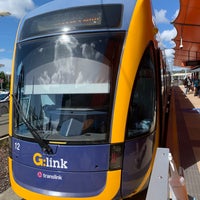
[116, 155]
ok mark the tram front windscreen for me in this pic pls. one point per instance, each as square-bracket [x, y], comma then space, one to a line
[64, 86]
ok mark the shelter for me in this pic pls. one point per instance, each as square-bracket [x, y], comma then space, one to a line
[187, 24]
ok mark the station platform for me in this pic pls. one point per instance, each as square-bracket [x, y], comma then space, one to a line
[183, 137]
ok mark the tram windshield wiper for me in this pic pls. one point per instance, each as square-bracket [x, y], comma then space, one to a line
[43, 144]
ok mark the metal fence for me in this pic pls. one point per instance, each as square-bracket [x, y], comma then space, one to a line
[165, 182]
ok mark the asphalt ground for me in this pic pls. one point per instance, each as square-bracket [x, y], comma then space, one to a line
[9, 195]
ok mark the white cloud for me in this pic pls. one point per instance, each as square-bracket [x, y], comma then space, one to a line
[168, 35]
[160, 16]
[7, 65]
[169, 52]
[175, 15]
[166, 44]
[17, 8]
[2, 50]
[165, 38]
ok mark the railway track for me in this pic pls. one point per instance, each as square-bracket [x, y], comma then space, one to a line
[4, 153]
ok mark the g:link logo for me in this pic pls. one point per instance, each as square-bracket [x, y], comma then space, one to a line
[45, 161]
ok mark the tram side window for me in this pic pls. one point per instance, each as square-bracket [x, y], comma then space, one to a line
[142, 107]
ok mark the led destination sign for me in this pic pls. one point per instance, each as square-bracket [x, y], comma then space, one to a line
[81, 18]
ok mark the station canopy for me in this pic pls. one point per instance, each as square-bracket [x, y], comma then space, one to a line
[187, 24]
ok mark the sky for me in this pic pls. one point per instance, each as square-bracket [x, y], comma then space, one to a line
[165, 11]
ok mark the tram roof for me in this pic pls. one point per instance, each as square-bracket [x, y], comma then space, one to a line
[128, 7]
[62, 4]
[187, 25]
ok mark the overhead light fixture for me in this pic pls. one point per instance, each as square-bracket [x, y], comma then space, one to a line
[181, 43]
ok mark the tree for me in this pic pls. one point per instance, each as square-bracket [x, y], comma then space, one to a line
[4, 81]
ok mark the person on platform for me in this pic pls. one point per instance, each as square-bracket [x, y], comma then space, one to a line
[196, 83]
[187, 84]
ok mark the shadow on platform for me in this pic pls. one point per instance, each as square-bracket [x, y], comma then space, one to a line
[183, 137]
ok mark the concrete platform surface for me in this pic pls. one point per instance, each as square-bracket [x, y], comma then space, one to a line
[184, 137]
[9, 195]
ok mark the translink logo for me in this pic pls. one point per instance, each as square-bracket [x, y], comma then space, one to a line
[40, 160]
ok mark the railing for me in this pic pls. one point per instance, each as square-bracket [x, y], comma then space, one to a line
[165, 182]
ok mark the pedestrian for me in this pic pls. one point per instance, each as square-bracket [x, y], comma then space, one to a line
[196, 85]
[187, 84]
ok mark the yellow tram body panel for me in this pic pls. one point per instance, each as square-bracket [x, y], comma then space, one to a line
[140, 33]
[142, 28]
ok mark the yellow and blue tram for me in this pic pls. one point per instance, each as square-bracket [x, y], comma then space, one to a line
[85, 107]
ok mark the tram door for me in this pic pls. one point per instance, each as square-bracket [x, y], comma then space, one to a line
[141, 125]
